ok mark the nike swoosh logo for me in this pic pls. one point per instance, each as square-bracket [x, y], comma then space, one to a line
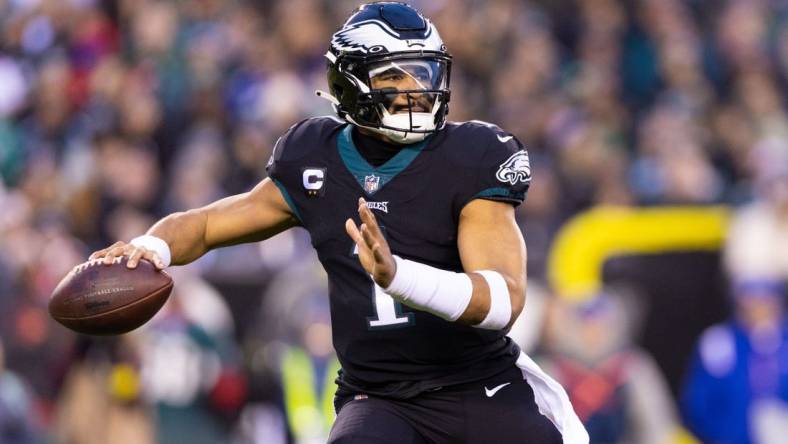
[504, 139]
[491, 393]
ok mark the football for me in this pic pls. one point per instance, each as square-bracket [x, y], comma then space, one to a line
[99, 299]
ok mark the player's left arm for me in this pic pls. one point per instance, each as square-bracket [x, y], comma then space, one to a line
[491, 296]
[489, 239]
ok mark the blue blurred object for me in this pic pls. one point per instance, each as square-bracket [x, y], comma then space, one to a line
[765, 288]
[734, 373]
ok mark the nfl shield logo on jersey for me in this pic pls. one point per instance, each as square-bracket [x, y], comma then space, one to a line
[371, 183]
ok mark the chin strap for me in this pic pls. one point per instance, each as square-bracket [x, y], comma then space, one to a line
[397, 136]
[403, 121]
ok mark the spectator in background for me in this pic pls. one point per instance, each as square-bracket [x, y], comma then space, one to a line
[757, 244]
[737, 386]
[736, 389]
[100, 400]
[17, 414]
[304, 358]
[190, 366]
[617, 389]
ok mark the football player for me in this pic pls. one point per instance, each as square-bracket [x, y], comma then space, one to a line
[413, 219]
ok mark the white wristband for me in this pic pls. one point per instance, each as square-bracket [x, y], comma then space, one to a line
[500, 303]
[155, 244]
[445, 294]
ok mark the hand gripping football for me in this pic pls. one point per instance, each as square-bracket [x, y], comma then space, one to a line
[99, 299]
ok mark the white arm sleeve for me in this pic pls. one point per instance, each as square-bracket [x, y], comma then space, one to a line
[500, 303]
[445, 294]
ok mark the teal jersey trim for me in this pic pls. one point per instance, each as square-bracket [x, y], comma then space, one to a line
[288, 199]
[500, 192]
[372, 179]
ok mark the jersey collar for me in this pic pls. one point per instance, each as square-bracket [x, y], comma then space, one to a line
[372, 179]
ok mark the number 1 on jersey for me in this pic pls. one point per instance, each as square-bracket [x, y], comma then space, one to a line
[388, 312]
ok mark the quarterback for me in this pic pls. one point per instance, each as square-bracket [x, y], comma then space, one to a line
[412, 217]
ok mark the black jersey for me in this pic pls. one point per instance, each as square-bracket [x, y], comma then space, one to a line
[386, 348]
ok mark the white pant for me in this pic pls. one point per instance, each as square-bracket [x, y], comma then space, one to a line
[553, 402]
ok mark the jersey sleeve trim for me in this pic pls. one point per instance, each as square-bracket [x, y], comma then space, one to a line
[289, 200]
[501, 193]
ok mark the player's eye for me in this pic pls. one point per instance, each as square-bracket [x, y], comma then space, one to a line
[390, 76]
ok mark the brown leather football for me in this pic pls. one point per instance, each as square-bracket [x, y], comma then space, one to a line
[98, 299]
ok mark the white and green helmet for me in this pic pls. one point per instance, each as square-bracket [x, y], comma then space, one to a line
[389, 39]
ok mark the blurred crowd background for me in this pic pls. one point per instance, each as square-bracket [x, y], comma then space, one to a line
[114, 113]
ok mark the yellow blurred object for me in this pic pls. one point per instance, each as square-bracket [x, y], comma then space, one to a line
[682, 436]
[589, 239]
[87, 412]
[124, 382]
[309, 414]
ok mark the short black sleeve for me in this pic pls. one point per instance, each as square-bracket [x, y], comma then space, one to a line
[503, 172]
[297, 148]
[282, 153]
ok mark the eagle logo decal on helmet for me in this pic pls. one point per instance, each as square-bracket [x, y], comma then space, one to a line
[371, 36]
[517, 168]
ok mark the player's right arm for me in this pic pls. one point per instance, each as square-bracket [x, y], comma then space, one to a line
[249, 217]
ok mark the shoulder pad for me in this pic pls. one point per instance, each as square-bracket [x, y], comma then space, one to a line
[302, 138]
